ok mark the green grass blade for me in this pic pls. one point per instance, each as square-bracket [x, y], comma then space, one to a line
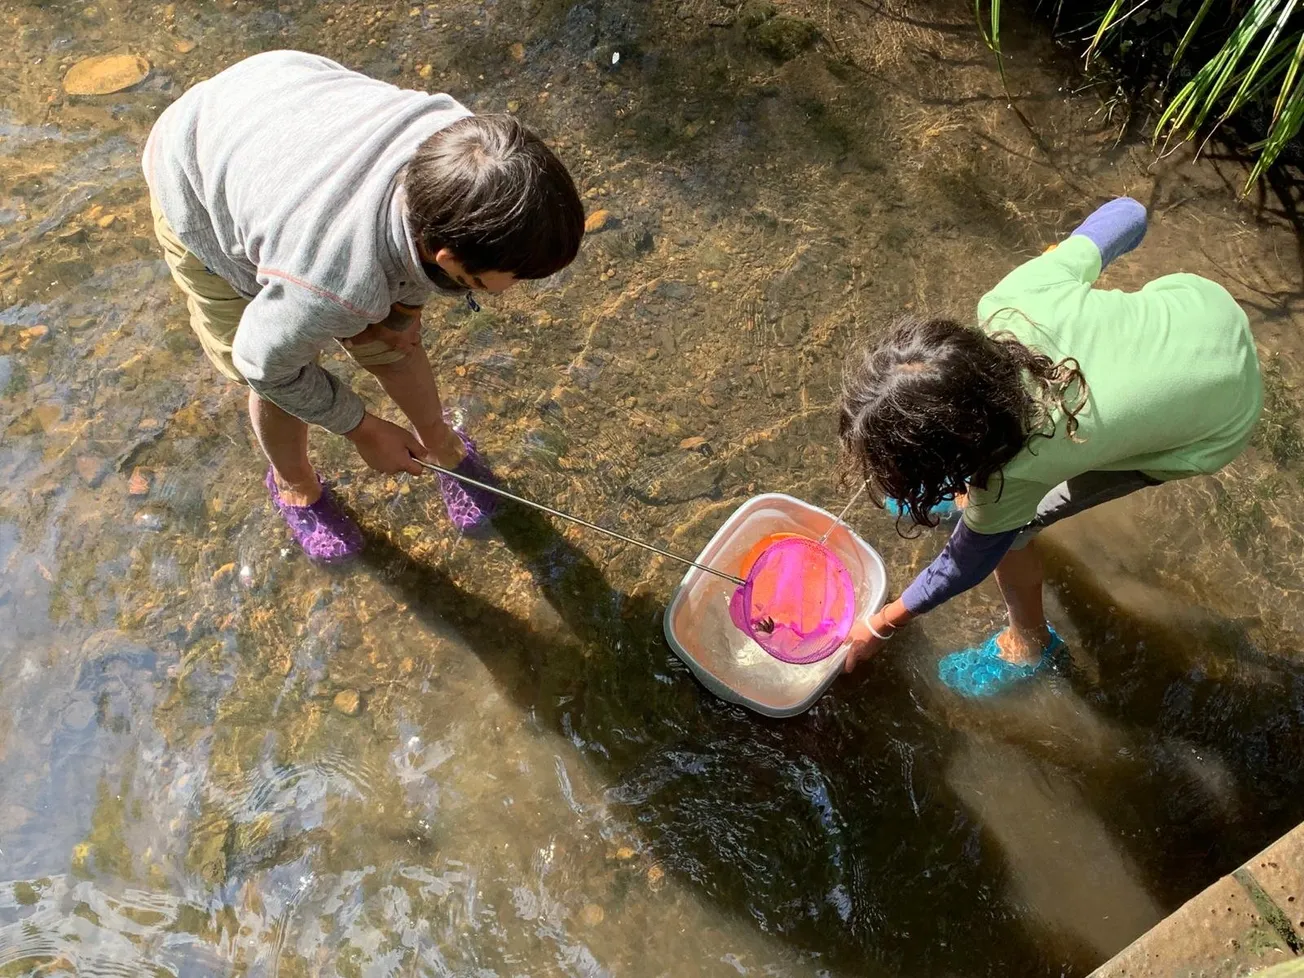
[1181, 105]
[1106, 22]
[1239, 99]
[1192, 29]
[1292, 73]
[1284, 129]
[990, 25]
[1202, 95]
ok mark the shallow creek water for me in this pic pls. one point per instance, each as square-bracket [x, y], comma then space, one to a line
[481, 758]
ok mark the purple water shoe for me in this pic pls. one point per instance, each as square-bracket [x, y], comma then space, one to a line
[469, 508]
[323, 530]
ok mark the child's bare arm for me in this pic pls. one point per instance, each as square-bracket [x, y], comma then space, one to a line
[411, 385]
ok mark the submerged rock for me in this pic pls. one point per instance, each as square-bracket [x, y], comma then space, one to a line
[140, 482]
[348, 702]
[105, 74]
[597, 221]
[148, 520]
[92, 469]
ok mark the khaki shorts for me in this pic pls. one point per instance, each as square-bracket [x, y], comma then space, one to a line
[216, 308]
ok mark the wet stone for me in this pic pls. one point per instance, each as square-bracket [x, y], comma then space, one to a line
[348, 702]
[105, 74]
[148, 520]
[31, 334]
[140, 482]
[597, 221]
[92, 469]
[78, 715]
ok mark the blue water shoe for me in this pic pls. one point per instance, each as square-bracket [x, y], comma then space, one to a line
[982, 672]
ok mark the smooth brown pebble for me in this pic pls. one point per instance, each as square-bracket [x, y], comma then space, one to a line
[518, 51]
[105, 74]
[597, 221]
[592, 915]
[696, 441]
[184, 45]
[348, 702]
[107, 220]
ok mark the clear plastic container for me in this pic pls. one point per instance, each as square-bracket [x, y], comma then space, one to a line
[727, 662]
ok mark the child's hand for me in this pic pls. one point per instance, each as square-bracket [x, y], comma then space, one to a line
[386, 447]
[862, 648]
[867, 640]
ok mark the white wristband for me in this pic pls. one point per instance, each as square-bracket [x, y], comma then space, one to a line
[875, 632]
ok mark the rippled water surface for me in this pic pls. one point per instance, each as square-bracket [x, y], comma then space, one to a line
[531, 783]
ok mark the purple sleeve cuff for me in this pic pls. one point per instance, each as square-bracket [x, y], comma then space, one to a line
[967, 559]
[1115, 228]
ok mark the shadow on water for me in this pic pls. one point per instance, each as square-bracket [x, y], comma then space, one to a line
[812, 826]
[852, 829]
[1219, 719]
[760, 815]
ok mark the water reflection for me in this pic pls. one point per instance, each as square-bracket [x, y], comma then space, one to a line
[481, 757]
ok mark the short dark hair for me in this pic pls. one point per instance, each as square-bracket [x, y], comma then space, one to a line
[490, 191]
[936, 406]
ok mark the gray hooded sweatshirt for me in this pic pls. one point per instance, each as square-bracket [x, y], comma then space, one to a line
[283, 174]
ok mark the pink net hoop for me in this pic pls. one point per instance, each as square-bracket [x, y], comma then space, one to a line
[798, 602]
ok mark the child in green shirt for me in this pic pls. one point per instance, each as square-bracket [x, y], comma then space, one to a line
[1065, 397]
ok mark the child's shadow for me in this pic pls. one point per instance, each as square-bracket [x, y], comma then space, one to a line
[1219, 721]
[826, 811]
[609, 646]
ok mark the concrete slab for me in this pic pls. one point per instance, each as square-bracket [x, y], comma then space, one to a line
[1218, 934]
[1279, 870]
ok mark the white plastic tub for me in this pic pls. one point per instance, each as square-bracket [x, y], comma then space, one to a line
[730, 664]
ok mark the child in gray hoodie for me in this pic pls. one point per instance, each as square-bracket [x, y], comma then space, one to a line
[299, 203]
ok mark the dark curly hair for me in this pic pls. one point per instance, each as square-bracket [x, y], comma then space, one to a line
[936, 405]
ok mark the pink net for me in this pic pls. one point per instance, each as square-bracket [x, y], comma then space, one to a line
[799, 601]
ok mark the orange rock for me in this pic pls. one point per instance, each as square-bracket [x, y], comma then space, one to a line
[597, 221]
[696, 441]
[105, 74]
[140, 481]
